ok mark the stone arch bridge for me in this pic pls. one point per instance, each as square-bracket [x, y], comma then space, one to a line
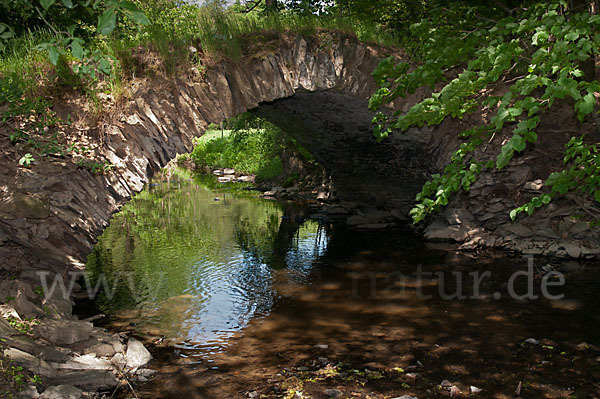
[52, 215]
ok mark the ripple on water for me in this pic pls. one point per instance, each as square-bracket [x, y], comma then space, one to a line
[198, 271]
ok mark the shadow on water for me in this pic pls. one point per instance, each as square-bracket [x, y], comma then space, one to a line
[244, 289]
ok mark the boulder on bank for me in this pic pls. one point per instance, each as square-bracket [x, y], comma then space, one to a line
[61, 392]
[137, 355]
[88, 380]
[64, 332]
[30, 362]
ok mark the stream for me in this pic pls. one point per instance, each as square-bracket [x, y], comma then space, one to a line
[241, 297]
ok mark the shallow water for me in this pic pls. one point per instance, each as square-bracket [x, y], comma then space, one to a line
[193, 262]
[243, 288]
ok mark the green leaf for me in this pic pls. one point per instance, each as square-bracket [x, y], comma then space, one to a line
[546, 199]
[597, 195]
[518, 143]
[107, 21]
[105, 66]
[128, 5]
[513, 214]
[47, 3]
[140, 18]
[506, 154]
[54, 55]
[552, 179]
[586, 105]
[529, 208]
[572, 36]
[77, 50]
[530, 136]
[68, 3]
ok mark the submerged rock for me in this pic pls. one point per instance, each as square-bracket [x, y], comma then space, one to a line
[333, 393]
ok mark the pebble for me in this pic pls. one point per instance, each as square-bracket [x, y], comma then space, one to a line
[474, 389]
[321, 346]
[332, 393]
[532, 341]
[412, 376]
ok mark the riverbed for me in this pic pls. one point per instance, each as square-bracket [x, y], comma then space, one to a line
[246, 297]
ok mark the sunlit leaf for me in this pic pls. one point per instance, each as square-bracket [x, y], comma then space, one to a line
[140, 18]
[54, 55]
[107, 21]
[77, 50]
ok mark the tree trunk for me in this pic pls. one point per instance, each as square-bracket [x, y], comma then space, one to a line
[271, 5]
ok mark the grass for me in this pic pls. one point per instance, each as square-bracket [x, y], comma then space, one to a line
[178, 37]
[215, 33]
[253, 145]
[253, 151]
[225, 32]
[21, 62]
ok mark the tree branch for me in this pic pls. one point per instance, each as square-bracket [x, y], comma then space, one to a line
[504, 7]
[256, 3]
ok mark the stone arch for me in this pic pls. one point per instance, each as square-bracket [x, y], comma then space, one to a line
[53, 216]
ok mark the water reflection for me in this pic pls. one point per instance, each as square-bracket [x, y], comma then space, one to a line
[194, 261]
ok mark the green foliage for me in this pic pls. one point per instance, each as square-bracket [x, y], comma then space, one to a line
[36, 130]
[26, 160]
[176, 230]
[83, 43]
[543, 46]
[582, 176]
[32, 121]
[70, 23]
[391, 14]
[23, 326]
[13, 377]
[97, 168]
[254, 146]
[5, 34]
[290, 180]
